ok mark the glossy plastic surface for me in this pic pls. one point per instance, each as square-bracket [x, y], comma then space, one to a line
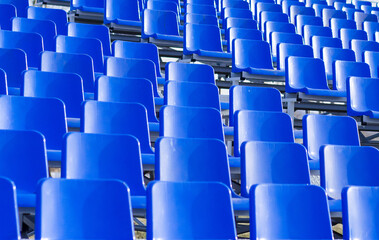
[187, 72]
[344, 69]
[9, 214]
[58, 16]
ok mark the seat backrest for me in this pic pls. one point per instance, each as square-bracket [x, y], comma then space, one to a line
[277, 38]
[302, 20]
[300, 10]
[87, 5]
[186, 72]
[201, 19]
[68, 87]
[251, 54]
[242, 33]
[360, 46]
[201, 9]
[298, 211]
[319, 42]
[342, 70]
[115, 89]
[58, 16]
[60, 211]
[80, 64]
[133, 68]
[359, 218]
[45, 115]
[237, 12]
[84, 154]
[163, 6]
[20, 5]
[159, 22]
[361, 96]
[371, 28]
[361, 17]
[9, 213]
[240, 23]
[191, 122]
[253, 98]
[23, 159]
[319, 130]
[90, 46]
[261, 126]
[13, 62]
[273, 162]
[7, 12]
[121, 10]
[204, 211]
[349, 34]
[100, 32]
[309, 31]
[273, 17]
[201, 37]
[328, 14]
[337, 24]
[271, 27]
[31, 43]
[350, 12]
[123, 49]
[267, 7]
[331, 54]
[305, 72]
[286, 5]
[372, 59]
[286, 50]
[342, 166]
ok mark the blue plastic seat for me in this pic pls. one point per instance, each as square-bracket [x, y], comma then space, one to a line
[58, 16]
[371, 28]
[203, 40]
[337, 24]
[237, 13]
[286, 5]
[298, 211]
[341, 5]
[361, 17]
[163, 6]
[190, 122]
[45, 28]
[319, 130]
[330, 55]
[300, 10]
[205, 211]
[186, 72]
[303, 20]
[96, 6]
[242, 33]
[270, 27]
[80, 64]
[320, 42]
[89, 209]
[13, 62]
[342, 166]
[201, 9]
[266, 7]
[3, 83]
[149, 51]
[78, 45]
[347, 35]
[277, 38]
[233, 4]
[319, 6]
[272, 17]
[243, 23]
[253, 98]
[117, 118]
[67, 87]
[261, 126]
[328, 14]
[20, 5]
[191, 94]
[265, 163]
[91, 31]
[253, 57]
[133, 68]
[358, 4]
[160, 25]
[122, 12]
[362, 98]
[7, 12]
[350, 12]
[286, 50]
[139, 90]
[342, 70]
[309, 31]
[202, 2]
[253, 4]
[368, 8]
[360, 46]
[31, 43]
[201, 19]
[359, 217]
[23, 160]
[8, 206]
[372, 59]
[83, 158]
[307, 75]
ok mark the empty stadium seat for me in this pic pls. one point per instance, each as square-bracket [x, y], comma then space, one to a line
[13, 62]
[277, 38]
[347, 35]
[88, 5]
[272, 127]
[372, 59]
[185, 72]
[242, 33]
[253, 98]
[328, 14]
[319, 130]
[331, 54]
[342, 166]
[320, 42]
[371, 28]
[350, 12]
[342, 70]
[115, 89]
[286, 5]
[267, 7]
[23, 160]
[67, 87]
[121, 12]
[272, 162]
[8, 205]
[58, 16]
[300, 10]
[319, 6]
[360, 46]
[337, 24]
[45, 28]
[201, 19]
[303, 20]
[7, 12]
[76, 208]
[286, 50]
[20, 5]
[201, 9]
[205, 211]
[309, 31]
[298, 211]
[361, 17]
[270, 27]
[3, 83]
[80, 64]
[164, 6]
[242, 23]
[272, 17]
[359, 217]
